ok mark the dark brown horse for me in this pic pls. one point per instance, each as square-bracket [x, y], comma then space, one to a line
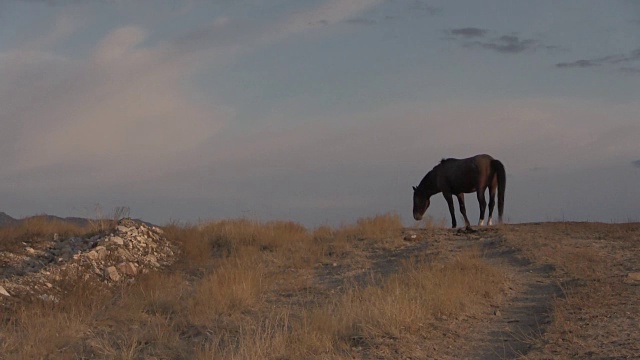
[460, 176]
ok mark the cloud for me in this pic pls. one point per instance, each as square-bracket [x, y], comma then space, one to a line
[394, 11]
[636, 163]
[423, 6]
[122, 107]
[361, 21]
[468, 32]
[507, 44]
[609, 61]
[504, 44]
[630, 70]
[578, 63]
[546, 132]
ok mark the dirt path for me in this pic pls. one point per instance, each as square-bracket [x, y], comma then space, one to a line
[563, 291]
[554, 274]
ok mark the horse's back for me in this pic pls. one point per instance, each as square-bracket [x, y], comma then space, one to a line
[482, 159]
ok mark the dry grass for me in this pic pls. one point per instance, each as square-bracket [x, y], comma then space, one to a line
[429, 222]
[213, 304]
[378, 227]
[415, 295]
[37, 228]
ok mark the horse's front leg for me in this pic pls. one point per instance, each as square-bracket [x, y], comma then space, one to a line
[449, 198]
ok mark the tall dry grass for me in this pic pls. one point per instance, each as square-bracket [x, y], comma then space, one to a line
[378, 227]
[220, 300]
[37, 228]
[407, 300]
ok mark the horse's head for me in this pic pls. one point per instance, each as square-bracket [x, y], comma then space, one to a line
[420, 203]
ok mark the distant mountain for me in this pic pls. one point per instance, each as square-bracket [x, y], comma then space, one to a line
[74, 220]
[6, 219]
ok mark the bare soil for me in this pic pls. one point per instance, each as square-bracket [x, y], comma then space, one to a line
[568, 291]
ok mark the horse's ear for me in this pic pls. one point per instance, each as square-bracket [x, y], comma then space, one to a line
[414, 188]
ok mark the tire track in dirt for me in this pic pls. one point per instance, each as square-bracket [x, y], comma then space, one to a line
[506, 331]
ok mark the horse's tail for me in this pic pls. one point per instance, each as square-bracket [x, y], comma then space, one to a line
[498, 169]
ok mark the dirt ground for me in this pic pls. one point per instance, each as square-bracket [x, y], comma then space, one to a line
[570, 292]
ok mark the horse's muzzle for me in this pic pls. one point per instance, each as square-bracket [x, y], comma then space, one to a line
[417, 216]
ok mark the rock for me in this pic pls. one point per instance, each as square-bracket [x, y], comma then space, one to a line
[30, 250]
[117, 240]
[123, 229]
[412, 237]
[496, 312]
[111, 273]
[152, 260]
[4, 292]
[101, 251]
[48, 298]
[128, 268]
[633, 276]
[123, 253]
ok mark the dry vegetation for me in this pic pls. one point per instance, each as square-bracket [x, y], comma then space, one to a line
[251, 290]
[35, 228]
[244, 289]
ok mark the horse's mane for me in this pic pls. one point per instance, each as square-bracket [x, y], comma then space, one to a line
[443, 161]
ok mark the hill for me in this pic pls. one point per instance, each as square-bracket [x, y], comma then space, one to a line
[373, 289]
[6, 219]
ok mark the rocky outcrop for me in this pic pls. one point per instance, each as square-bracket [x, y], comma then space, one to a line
[132, 248]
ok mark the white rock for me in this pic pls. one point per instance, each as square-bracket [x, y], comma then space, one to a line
[128, 268]
[118, 240]
[4, 292]
[112, 273]
[123, 229]
[634, 276]
[152, 260]
[101, 251]
[50, 298]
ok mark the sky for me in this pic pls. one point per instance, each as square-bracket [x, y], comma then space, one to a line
[320, 112]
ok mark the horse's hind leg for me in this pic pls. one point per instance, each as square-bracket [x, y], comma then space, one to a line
[492, 198]
[483, 205]
[463, 209]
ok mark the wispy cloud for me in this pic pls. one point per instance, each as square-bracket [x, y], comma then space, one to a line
[424, 6]
[468, 32]
[509, 44]
[123, 103]
[472, 37]
[621, 60]
[124, 106]
[393, 11]
[578, 63]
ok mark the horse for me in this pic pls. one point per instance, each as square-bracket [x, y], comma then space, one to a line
[460, 176]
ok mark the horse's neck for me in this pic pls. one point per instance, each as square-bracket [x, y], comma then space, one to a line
[429, 185]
